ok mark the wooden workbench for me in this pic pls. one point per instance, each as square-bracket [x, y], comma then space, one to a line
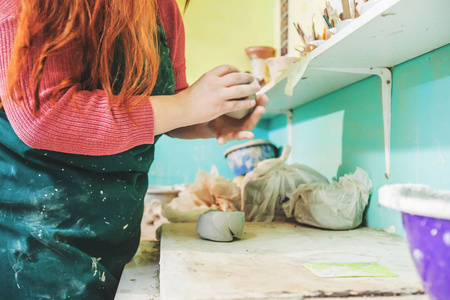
[266, 263]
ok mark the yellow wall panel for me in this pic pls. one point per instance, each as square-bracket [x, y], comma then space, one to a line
[218, 31]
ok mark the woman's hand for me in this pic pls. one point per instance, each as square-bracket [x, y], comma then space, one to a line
[225, 128]
[215, 94]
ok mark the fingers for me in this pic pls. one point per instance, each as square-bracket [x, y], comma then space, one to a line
[242, 90]
[253, 119]
[223, 70]
[237, 78]
[219, 92]
[237, 84]
[248, 123]
[261, 99]
[235, 105]
[222, 140]
[241, 135]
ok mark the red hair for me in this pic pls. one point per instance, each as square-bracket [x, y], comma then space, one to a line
[92, 27]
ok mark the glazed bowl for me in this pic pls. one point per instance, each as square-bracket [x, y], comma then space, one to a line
[426, 220]
[243, 158]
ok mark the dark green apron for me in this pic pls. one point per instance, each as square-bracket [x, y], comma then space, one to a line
[69, 223]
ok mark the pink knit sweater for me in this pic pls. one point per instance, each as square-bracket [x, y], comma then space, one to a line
[86, 125]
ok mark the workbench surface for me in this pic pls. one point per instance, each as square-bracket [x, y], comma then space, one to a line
[266, 263]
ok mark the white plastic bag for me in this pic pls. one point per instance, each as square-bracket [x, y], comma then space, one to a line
[339, 205]
[153, 214]
[152, 219]
[209, 191]
[266, 187]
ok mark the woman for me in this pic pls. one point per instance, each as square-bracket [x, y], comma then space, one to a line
[87, 87]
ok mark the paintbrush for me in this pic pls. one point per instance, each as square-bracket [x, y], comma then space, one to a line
[356, 11]
[332, 15]
[346, 10]
[300, 32]
[326, 20]
[314, 26]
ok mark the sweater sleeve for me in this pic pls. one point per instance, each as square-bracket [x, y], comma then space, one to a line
[81, 122]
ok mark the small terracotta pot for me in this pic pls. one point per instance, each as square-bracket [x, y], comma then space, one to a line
[258, 55]
[260, 52]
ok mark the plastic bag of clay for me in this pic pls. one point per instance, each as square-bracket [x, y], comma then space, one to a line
[339, 205]
[266, 187]
[209, 191]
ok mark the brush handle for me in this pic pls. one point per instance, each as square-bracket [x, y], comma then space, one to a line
[346, 10]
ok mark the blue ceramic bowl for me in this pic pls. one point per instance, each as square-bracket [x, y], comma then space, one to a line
[243, 158]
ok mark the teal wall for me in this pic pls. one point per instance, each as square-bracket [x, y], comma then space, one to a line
[343, 130]
[177, 161]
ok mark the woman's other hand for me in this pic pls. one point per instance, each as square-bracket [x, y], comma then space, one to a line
[226, 129]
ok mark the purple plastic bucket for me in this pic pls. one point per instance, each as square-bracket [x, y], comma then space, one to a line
[429, 244]
[426, 220]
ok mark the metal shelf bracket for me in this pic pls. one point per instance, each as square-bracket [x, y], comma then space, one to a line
[386, 87]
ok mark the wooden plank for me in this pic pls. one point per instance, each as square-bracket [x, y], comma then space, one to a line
[266, 263]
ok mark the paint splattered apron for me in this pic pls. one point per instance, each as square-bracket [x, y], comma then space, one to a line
[69, 223]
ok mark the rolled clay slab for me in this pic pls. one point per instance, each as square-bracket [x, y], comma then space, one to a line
[220, 226]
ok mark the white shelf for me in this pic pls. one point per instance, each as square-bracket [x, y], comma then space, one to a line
[390, 33]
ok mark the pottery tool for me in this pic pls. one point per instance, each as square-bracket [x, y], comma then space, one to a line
[330, 270]
[325, 13]
[351, 5]
[314, 26]
[356, 12]
[301, 33]
[328, 8]
[326, 20]
[332, 14]
[346, 10]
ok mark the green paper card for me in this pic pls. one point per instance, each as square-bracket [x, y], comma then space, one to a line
[349, 270]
